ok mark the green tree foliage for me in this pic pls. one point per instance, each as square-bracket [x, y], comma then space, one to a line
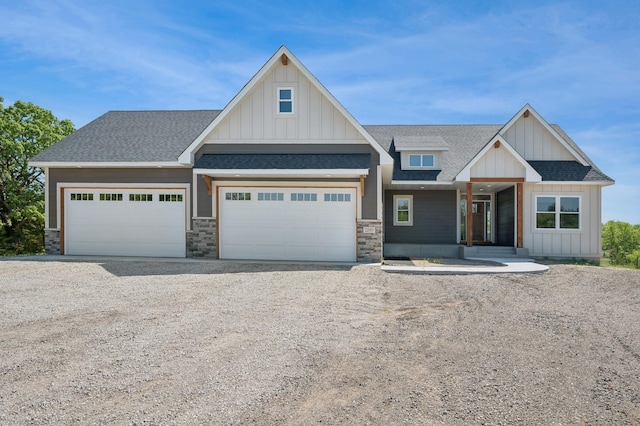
[25, 130]
[620, 240]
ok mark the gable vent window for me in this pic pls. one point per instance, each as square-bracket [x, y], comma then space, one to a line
[285, 100]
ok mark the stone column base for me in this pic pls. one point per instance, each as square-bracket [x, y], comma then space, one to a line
[52, 241]
[369, 241]
[203, 238]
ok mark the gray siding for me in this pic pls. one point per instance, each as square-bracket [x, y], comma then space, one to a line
[106, 175]
[434, 218]
[369, 210]
[505, 217]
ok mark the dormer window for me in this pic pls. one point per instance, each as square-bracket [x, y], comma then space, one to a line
[285, 100]
[421, 160]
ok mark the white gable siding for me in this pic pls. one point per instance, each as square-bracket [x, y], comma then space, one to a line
[255, 119]
[534, 142]
[498, 163]
[585, 243]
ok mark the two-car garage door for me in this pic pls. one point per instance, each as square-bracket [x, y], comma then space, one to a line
[131, 222]
[287, 224]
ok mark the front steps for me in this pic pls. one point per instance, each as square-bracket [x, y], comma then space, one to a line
[493, 252]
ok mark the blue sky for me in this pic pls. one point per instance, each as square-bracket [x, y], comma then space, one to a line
[388, 62]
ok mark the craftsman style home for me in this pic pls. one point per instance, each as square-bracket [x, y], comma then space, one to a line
[285, 172]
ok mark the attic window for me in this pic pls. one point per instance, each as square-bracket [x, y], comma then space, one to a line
[285, 100]
[421, 160]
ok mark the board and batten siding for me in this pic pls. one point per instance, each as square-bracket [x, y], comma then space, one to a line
[533, 141]
[498, 163]
[434, 218]
[585, 243]
[255, 118]
[369, 201]
[111, 176]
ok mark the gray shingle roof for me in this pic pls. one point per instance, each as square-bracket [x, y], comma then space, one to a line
[283, 161]
[464, 142]
[421, 142]
[120, 136]
[567, 171]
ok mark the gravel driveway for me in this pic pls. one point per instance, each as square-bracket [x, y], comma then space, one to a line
[241, 343]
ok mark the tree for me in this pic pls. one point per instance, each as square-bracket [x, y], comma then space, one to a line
[25, 130]
[620, 239]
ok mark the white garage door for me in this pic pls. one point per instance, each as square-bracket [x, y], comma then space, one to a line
[132, 222]
[288, 224]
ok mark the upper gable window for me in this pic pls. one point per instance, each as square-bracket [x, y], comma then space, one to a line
[421, 160]
[285, 100]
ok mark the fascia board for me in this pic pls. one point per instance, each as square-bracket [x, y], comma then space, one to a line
[584, 183]
[107, 164]
[430, 148]
[283, 172]
[420, 182]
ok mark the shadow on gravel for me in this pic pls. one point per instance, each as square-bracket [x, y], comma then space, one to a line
[216, 267]
[131, 267]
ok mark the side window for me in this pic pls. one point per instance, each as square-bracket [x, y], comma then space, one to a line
[557, 212]
[403, 210]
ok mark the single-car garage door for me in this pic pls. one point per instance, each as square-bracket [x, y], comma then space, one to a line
[132, 222]
[288, 224]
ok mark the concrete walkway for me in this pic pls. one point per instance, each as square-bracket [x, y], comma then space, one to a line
[470, 265]
[497, 266]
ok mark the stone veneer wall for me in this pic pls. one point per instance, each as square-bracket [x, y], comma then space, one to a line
[203, 238]
[369, 241]
[52, 241]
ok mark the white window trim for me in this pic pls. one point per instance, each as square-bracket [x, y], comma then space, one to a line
[406, 165]
[293, 100]
[557, 212]
[396, 198]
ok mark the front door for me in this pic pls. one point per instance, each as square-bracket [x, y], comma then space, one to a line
[479, 221]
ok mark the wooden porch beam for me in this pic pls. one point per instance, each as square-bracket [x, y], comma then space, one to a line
[362, 185]
[208, 182]
[469, 214]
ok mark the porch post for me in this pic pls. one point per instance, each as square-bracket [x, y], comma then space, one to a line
[469, 214]
[519, 214]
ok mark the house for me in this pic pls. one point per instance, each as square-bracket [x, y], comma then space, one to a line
[285, 172]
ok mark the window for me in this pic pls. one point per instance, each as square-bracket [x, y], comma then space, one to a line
[304, 196]
[165, 198]
[270, 196]
[238, 196]
[140, 197]
[403, 210]
[421, 160]
[557, 212]
[81, 197]
[285, 100]
[110, 197]
[341, 198]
